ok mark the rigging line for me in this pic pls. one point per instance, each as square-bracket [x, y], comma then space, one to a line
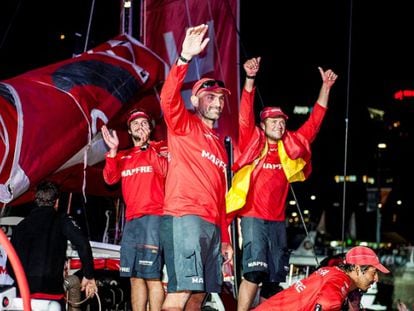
[89, 25]
[6, 33]
[210, 13]
[243, 49]
[117, 216]
[75, 303]
[190, 24]
[142, 22]
[304, 224]
[346, 125]
[217, 50]
[236, 25]
[85, 216]
[234, 224]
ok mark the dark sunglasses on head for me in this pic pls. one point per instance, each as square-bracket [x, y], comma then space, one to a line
[211, 83]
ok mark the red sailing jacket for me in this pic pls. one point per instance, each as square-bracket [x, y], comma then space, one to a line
[142, 173]
[269, 187]
[196, 179]
[328, 287]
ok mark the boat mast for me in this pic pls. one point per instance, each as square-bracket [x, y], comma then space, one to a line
[126, 17]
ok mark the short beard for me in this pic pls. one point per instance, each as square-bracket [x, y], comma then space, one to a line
[209, 116]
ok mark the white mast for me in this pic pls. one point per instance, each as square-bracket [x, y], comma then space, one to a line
[126, 17]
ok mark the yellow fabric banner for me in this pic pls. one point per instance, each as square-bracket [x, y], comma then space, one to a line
[236, 196]
[293, 168]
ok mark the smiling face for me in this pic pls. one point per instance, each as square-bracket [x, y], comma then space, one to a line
[209, 106]
[365, 278]
[274, 128]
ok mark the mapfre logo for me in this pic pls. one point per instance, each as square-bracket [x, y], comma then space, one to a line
[216, 161]
[197, 280]
[136, 170]
[271, 166]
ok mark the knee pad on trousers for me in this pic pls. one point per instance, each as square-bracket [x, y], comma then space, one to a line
[269, 289]
[256, 277]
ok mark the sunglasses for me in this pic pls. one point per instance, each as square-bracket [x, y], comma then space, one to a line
[211, 83]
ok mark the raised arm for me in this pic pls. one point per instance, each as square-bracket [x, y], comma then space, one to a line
[328, 79]
[194, 43]
[251, 67]
[176, 115]
[111, 140]
[246, 112]
[311, 127]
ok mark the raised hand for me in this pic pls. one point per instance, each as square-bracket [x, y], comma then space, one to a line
[194, 42]
[251, 66]
[144, 133]
[329, 77]
[111, 139]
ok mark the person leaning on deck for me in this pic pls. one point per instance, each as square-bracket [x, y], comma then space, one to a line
[328, 287]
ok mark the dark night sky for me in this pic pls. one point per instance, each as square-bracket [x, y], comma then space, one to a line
[369, 47]
[373, 59]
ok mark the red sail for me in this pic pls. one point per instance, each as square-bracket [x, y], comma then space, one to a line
[50, 117]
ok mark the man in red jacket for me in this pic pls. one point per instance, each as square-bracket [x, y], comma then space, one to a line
[327, 288]
[194, 232]
[142, 170]
[279, 157]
